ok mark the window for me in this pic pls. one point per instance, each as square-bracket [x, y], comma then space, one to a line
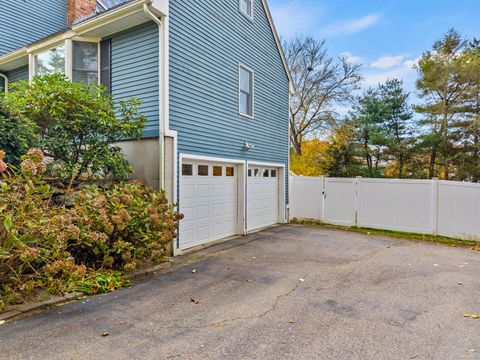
[3, 83]
[51, 61]
[202, 170]
[273, 173]
[105, 68]
[79, 60]
[249, 172]
[217, 171]
[246, 7]
[256, 172]
[266, 172]
[230, 171]
[187, 169]
[85, 62]
[246, 92]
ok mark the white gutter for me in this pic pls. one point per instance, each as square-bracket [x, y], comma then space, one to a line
[6, 81]
[162, 89]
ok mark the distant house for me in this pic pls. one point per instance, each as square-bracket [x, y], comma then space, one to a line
[214, 86]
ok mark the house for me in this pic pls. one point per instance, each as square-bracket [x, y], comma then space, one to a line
[214, 86]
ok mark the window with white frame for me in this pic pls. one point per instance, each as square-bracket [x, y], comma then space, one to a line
[246, 7]
[51, 61]
[246, 91]
[81, 63]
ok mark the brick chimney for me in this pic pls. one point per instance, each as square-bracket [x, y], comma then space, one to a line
[77, 9]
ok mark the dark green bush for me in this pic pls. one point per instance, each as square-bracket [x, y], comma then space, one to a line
[77, 124]
[16, 136]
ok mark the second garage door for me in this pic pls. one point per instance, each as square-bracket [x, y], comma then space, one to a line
[262, 197]
[208, 201]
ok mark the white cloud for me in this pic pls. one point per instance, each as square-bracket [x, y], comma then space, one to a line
[353, 26]
[411, 63]
[387, 62]
[353, 59]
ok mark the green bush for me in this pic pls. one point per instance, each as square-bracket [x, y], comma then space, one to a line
[77, 124]
[16, 136]
[82, 247]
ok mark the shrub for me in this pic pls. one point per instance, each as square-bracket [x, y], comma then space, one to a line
[84, 247]
[16, 136]
[77, 123]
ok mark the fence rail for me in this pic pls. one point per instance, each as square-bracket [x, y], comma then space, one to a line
[448, 208]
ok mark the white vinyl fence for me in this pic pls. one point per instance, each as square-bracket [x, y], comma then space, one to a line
[436, 207]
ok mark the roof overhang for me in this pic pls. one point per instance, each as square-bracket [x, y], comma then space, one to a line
[102, 25]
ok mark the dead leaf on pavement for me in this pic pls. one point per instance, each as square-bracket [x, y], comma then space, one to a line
[194, 271]
[219, 325]
[394, 323]
[194, 301]
[290, 322]
[472, 316]
[104, 334]
[301, 280]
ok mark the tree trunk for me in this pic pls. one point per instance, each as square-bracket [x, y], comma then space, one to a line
[433, 158]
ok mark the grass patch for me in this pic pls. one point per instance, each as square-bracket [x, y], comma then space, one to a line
[444, 240]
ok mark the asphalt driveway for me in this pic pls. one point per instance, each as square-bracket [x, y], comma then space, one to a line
[291, 292]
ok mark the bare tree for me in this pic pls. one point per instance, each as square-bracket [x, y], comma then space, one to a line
[321, 84]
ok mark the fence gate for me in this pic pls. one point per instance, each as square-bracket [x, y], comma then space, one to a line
[340, 201]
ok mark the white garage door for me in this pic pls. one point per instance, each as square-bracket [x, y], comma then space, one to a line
[208, 201]
[262, 204]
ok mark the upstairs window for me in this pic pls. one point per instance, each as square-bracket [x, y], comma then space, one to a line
[246, 92]
[246, 7]
[85, 62]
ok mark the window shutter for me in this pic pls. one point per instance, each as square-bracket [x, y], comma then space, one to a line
[105, 64]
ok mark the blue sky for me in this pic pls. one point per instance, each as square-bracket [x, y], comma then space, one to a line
[387, 36]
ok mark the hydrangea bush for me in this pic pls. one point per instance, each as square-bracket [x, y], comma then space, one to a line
[82, 247]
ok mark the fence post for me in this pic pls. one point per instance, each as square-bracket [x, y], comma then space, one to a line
[435, 206]
[357, 195]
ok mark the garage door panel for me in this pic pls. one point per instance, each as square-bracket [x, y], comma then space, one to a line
[262, 203]
[209, 204]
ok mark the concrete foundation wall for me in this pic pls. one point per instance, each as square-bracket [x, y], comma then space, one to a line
[143, 156]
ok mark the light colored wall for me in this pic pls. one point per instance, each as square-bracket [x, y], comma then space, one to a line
[143, 155]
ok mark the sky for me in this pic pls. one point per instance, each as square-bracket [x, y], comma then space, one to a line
[386, 36]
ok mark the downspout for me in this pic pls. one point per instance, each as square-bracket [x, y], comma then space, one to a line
[5, 78]
[162, 105]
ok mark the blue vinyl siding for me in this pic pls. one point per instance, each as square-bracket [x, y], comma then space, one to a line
[18, 74]
[204, 71]
[24, 22]
[135, 66]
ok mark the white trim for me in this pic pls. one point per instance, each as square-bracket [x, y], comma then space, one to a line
[252, 9]
[210, 158]
[68, 59]
[5, 78]
[252, 72]
[103, 5]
